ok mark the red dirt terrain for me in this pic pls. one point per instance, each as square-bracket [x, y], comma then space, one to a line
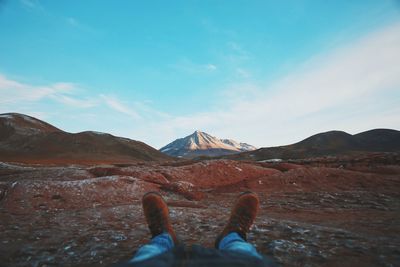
[332, 211]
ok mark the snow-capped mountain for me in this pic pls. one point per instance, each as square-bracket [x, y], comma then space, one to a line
[202, 144]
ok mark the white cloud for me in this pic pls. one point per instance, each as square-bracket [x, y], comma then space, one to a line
[189, 66]
[32, 5]
[72, 21]
[16, 96]
[13, 91]
[22, 97]
[29, 3]
[75, 102]
[117, 105]
[353, 88]
[211, 67]
[236, 53]
[243, 73]
[79, 25]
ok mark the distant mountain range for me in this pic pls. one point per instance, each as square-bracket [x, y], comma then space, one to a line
[202, 144]
[332, 143]
[27, 139]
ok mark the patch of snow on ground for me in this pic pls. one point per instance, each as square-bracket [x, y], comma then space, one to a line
[31, 120]
[99, 133]
[91, 180]
[7, 116]
[12, 166]
[270, 160]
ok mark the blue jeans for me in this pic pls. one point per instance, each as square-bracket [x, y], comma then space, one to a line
[163, 243]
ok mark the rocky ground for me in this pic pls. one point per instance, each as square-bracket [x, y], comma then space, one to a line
[320, 212]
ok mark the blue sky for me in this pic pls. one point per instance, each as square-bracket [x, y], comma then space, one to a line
[262, 72]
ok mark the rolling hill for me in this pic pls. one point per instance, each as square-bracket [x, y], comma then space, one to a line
[27, 139]
[332, 143]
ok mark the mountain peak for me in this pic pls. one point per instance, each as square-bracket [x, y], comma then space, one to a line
[200, 143]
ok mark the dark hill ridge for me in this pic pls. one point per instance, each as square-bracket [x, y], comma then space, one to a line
[380, 140]
[27, 139]
[332, 143]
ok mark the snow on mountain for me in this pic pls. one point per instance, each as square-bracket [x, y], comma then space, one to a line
[202, 144]
[239, 146]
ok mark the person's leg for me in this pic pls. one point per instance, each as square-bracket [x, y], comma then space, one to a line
[233, 242]
[156, 213]
[243, 214]
[158, 245]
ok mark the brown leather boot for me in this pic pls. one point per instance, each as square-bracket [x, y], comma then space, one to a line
[157, 215]
[242, 216]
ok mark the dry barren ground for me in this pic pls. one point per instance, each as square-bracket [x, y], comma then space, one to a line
[311, 215]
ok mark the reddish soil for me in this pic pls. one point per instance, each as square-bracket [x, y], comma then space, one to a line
[326, 211]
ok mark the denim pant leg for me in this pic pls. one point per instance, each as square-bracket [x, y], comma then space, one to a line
[158, 245]
[233, 242]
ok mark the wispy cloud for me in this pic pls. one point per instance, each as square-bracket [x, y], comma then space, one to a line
[243, 73]
[189, 66]
[211, 26]
[32, 5]
[76, 102]
[13, 91]
[237, 51]
[210, 67]
[353, 88]
[16, 96]
[117, 105]
[29, 3]
[72, 21]
[79, 25]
